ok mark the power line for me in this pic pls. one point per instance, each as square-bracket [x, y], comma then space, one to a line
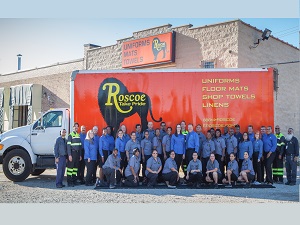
[286, 34]
[286, 30]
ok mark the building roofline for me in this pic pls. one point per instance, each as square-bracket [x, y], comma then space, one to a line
[165, 25]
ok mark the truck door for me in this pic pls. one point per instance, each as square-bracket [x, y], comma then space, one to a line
[44, 132]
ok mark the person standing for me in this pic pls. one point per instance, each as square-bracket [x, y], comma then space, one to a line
[162, 131]
[192, 143]
[125, 135]
[90, 157]
[226, 134]
[81, 167]
[291, 153]
[250, 133]
[111, 139]
[100, 158]
[112, 170]
[238, 135]
[60, 154]
[132, 169]
[201, 138]
[208, 148]
[184, 161]
[74, 150]
[130, 145]
[138, 132]
[170, 172]
[194, 171]
[178, 146]
[153, 168]
[150, 131]
[270, 144]
[220, 150]
[120, 145]
[244, 146]
[166, 143]
[231, 145]
[257, 156]
[156, 144]
[278, 161]
[104, 143]
[146, 148]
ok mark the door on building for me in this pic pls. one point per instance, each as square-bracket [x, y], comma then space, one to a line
[20, 116]
[45, 131]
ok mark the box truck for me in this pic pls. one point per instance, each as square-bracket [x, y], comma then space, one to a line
[212, 97]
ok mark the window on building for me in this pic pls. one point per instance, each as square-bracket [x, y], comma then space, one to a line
[208, 64]
[20, 116]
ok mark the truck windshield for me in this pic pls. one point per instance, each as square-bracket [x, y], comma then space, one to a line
[50, 119]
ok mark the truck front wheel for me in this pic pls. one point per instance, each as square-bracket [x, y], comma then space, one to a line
[17, 165]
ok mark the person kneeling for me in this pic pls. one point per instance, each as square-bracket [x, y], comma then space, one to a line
[232, 172]
[111, 169]
[132, 169]
[170, 173]
[153, 168]
[213, 172]
[194, 171]
[247, 173]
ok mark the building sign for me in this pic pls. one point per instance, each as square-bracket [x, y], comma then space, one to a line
[148, 51]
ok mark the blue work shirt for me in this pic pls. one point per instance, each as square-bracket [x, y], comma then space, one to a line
[112, 162]
[239, 137]
[194, 165]
[202, 138]
[103, 144]
[111, 141]
[82, 138]
[225, 136]
[178, 143]
[96, 139]
[233, 165]
[120, 145]
[146, 145]
[213, 165]
[219, 145]
[247, 165]
[130, 145]
[126, 137]
[169, 164]
[90, 149]
[134, 162]
[258, 147]
[192, 141]
[208, 148]
[162, 133]
[167, 142]
[156, 143]
[151, 134]
[231, 143]
[139, 136]
[153, 164]
[251, 137]
[245, 146]
[270, 143]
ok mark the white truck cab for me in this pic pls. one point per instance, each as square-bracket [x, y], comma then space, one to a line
[29, 149]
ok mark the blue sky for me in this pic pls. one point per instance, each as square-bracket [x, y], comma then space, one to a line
[47, 41]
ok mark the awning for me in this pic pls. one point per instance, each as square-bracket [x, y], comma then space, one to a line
[1, 97]
[21, 95]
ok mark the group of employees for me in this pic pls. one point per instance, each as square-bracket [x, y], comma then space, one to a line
[158, 154]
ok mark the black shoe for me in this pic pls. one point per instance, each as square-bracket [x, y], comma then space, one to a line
[63, 185]
[216, 186]
[292, 184]
[59, 186]
[279, 182]
[83, 182]
[247, 185]
[287, 183]
[71, 185]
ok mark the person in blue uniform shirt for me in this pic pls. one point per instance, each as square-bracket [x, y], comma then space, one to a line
[153, 168]
[270, 145]
[263, 131]
[257, 156]
[231, 144]
[238, 135]
[170, 172]
[132, 144]
[220, 147]
[120, 145]
[125, 135]
[90, 157]
[291, 153]
[163, 130]
[226, 133]
[213, 173]
[104, 145]
[81, 166]
[138, 132]
[244, 146]
[194, 171]
[112, 170]
[111, 139]
[201, 138]
[60, 154]
[232, 171]
[156, 144]
[166, 143]
[178, 145]
[247, 173]
[192, 143]
[208, 148]
[146, 149]
[132, 169]
[150, 130]
[100, 159]
[250, 133]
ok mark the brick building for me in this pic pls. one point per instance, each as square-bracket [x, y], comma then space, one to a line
[223, 45]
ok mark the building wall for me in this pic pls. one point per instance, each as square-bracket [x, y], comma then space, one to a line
[272, 51]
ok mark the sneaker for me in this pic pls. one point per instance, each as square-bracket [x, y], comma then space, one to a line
[111, 186]
[256, 183]
[171, 186]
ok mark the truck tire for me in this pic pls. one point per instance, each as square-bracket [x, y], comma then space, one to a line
[37, 172]
[17, 165]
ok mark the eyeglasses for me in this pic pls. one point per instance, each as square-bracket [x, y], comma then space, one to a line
[154, 153]
[277, 128]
